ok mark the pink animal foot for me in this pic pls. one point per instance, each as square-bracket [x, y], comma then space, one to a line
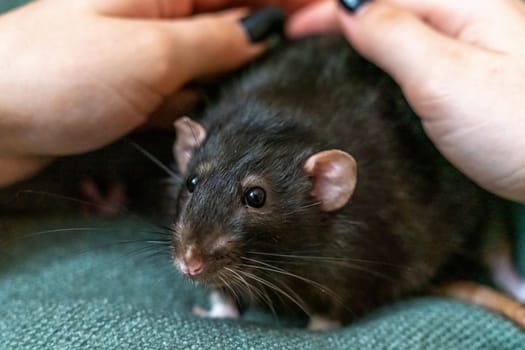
[108, 203]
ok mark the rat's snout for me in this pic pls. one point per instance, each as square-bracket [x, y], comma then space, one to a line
[192, 263]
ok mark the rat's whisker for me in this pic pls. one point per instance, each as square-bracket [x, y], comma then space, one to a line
[262, 295]
[300, 209]
[326, 258]
[272, 268]
[122, 209]
[170, 230]
[234, 283]
[344, 262]
[143, 249]
[229, 287]
[254, 293]
[154, 254]
[311, 205]
[7, 241]
[154, 159]
[297, 300]
[57, 196]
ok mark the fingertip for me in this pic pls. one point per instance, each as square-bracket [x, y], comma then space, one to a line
[366, 24]
[352, 6]
[317, 17]
[263, 24]
[215, 43]
[391, 38]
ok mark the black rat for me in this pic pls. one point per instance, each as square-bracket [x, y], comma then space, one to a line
[309, 185]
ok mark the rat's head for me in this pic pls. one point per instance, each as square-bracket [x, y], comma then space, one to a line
[251, 189]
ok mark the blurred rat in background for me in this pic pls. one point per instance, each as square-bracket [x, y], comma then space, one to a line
[309, 186]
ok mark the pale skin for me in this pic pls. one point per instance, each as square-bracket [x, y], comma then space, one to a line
[78, 81]
[461, 65]
[77, 75]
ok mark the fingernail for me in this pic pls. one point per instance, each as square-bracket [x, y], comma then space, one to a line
[264, 23]
[352, 5]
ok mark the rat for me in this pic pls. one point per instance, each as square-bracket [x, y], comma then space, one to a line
[308, 185]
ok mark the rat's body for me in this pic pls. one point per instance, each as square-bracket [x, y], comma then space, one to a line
[409, 211]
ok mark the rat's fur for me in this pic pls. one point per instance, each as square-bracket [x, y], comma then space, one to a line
[409, 213]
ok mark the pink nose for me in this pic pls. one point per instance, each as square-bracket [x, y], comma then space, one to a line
[191, 263]
[192, 267]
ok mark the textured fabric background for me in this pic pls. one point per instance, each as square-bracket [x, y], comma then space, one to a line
[92, 288]
[89, 289]
[8, 4]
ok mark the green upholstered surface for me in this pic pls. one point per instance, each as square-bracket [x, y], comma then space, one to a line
[92, 288]
[9, 4]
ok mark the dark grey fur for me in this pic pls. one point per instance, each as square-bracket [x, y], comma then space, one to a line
[410, 211]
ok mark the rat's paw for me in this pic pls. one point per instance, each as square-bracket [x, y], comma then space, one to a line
[319, 323]
[221, 307]
[107, 203]
[505, 274]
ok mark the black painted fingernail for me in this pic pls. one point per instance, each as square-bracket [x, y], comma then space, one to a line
[264, 23]
[352, 5]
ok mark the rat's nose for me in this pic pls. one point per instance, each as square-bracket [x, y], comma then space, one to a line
[191, 267]
[192, 263]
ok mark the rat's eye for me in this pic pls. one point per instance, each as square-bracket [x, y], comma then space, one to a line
[255, 197]
[191, 183]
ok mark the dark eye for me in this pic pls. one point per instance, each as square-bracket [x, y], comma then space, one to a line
[191, 183]
[255, 197]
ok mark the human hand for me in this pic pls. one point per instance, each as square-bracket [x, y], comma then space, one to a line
[76, 75]
[461, 66]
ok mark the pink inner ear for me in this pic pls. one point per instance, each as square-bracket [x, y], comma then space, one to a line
[334, 177]
[190, 135]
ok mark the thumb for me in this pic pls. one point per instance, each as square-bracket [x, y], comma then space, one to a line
[404, 46]
[214, 43]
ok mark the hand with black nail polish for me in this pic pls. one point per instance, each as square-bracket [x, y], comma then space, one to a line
[461, 66]
[76, 75]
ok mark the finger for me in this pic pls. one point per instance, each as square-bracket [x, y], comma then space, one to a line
[413, 53]
[144, 8]
[447, 16]
[292, 6]
[289, 6]
[490, 24]
[218, 42]
[317, 17]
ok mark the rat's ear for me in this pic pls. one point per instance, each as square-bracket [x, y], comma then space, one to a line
[334, 176]
[190, 135]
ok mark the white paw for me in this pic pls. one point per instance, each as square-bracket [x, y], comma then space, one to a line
[518, 292]
[320, 323]
[221, 307]
[506, 276]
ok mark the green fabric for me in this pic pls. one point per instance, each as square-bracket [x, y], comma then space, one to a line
[9, 4]
[90, 289]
